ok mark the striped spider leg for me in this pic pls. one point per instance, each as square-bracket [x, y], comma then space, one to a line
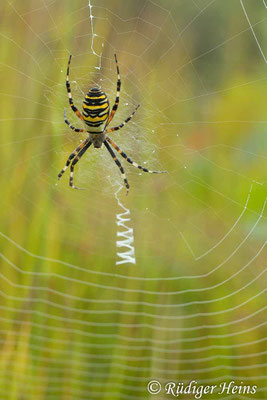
[76, 159]
[130, 161]
[116, 128]
[75, 109]
[73, 155]
[119, 165]
[71, 126]
[117, 100]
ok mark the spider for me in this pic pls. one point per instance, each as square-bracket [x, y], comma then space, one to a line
[97, 116]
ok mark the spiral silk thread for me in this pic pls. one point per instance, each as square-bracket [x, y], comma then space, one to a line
[126, 237]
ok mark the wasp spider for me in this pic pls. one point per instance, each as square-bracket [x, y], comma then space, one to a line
[97, 116]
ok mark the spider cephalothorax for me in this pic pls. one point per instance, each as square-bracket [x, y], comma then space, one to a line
[96, 115]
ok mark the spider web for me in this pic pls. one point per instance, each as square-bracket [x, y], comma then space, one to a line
[186, 300]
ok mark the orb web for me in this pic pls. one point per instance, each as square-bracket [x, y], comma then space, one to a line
[189, 300]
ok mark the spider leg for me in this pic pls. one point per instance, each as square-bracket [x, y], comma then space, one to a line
[72, 155]
[116, 104]
[119, 165]
[75, 109]
[76, 159]
[71, 126]
[113, 144]
[116, 128]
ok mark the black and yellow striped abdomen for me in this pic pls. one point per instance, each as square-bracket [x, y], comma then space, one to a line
[95, 110]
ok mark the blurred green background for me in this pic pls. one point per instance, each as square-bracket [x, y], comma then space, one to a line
[73, 324]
